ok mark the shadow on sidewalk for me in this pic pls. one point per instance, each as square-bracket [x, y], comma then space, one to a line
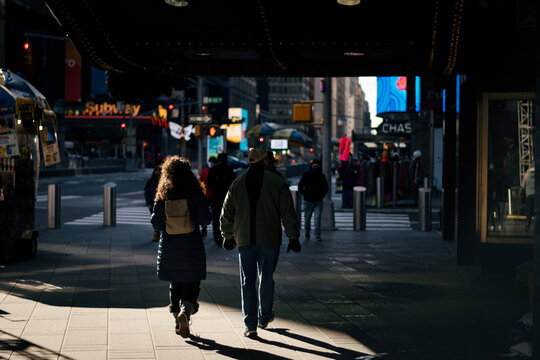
[232, 352]
[26, 349]
[249, 354]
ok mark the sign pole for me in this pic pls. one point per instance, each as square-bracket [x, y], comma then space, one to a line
[201, 139]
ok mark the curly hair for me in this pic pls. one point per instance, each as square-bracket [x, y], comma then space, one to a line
[177, 179]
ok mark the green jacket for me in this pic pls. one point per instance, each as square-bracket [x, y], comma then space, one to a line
[275, 205]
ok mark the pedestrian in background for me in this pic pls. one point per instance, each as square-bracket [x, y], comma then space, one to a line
[373, 172]
[416, 174]
[313, 186]
[348, 177]
[180, 207]
[220, 178]
[150, 193]
[257, 203]
[203, 178]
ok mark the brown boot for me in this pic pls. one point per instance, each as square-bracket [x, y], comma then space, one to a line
[155, 238]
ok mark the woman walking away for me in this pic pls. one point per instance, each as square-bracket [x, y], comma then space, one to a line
[150, 193]
[180, 207]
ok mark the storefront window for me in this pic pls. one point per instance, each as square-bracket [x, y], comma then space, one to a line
[509, 193]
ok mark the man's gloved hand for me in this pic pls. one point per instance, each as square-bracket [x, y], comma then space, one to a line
[229, 244]
[294, 245]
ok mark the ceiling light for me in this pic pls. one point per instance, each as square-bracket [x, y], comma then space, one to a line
[177, 3]
[203, 54]
[353, 53]
[348, 2]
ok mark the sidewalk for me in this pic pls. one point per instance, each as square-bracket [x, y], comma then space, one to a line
[92, 293]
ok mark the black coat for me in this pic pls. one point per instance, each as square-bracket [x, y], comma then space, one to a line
[182, 258]
[220, 178]
[313, 186]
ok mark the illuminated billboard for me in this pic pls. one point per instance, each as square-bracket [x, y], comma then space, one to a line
[236, 133]
[392, 94]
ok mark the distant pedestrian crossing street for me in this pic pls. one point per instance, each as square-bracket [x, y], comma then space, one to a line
[344, 220]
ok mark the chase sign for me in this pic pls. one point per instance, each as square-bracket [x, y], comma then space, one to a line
[389, 128]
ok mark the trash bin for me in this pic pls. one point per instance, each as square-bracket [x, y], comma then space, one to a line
[359, 206]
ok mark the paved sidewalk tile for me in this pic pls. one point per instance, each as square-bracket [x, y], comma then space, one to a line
[92, 293]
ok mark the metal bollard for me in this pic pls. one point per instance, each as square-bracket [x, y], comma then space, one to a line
[380, 192]
[109, 204]
[54, 206]
[394, 183]
[424, 209]
[359, 205]
[297, 201]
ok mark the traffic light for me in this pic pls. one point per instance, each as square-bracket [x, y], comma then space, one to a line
[27, 46]
[123, 126]
[261, 139]
[204, 109]
[144, 144]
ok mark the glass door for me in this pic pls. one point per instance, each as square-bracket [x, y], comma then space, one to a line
[506, 168]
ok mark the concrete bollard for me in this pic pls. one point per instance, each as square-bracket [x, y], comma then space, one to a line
[359, 205]
[424, 209]
[53, 206]
[297, 201]
[109, 204]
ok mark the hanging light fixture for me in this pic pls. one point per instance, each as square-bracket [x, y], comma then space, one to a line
[348, 2]
[177, 3]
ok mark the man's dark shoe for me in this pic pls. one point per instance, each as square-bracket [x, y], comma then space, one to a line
[183, 325]
[250, 334]
[263, 326]
[307, 235]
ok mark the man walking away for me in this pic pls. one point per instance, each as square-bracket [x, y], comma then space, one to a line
[256, 205]
[220, 178]
[314, 187]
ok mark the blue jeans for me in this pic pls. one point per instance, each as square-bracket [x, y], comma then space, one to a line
[310, 208]
[257, 262]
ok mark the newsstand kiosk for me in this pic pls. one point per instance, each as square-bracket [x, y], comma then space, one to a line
[25, 123]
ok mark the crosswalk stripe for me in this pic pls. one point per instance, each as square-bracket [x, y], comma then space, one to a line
[343, 220]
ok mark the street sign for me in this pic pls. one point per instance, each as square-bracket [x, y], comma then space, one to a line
[200, 118]
[279, 144]
[212, 100]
